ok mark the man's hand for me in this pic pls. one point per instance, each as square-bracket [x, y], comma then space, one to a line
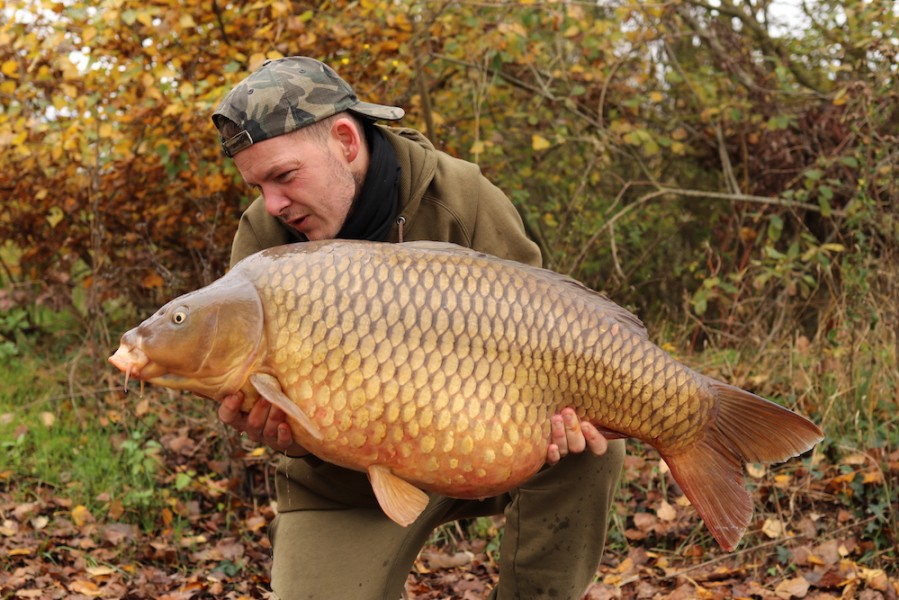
[264, 424]
[567, 436]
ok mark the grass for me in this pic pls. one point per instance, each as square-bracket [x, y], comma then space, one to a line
[74, 448]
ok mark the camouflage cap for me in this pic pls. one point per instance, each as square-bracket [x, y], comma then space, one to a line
[287, 94]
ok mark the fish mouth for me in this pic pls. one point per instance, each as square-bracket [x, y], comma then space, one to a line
[133, 362]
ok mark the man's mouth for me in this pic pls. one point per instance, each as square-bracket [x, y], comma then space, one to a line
[296, 222]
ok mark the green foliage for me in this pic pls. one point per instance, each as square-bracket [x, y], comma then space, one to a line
[80, 451]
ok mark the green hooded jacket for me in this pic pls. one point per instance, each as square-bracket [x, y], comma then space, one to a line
[441, 198]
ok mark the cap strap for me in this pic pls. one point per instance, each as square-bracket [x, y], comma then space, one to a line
[237, 143]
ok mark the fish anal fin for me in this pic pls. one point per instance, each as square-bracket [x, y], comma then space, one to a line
[399, 499]
[270, 389]
[712, 478]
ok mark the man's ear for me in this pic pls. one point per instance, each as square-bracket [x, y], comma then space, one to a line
[348, 138]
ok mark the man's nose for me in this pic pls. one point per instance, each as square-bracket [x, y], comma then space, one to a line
[275, 203]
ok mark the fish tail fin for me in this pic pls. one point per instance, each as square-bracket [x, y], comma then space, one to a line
[747, 428]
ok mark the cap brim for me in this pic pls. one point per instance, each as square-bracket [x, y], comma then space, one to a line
[378, 111]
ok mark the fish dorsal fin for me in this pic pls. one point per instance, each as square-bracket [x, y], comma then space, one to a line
[270, 389]
[446, 247]
[617, 313]
[399, 499]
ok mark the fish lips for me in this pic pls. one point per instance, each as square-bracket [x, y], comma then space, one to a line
[132, 361]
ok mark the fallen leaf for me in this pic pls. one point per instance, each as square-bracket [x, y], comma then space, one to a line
[438, 560]
[783, 480]
[814, 559]
[854, 459]
[88, 588]
[755, 470]
[116, 533]
[645, 522]
[876, 579]
[142, 407]
[773, 528]
[116, 509]
[81, 515]
[100, 571]
[666, 512]
[682, 501]
[9, 528]
[873, 477]
[792, 588]
[255, 523]
[24, 510]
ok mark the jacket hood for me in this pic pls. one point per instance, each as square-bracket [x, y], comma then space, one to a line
[418, 165]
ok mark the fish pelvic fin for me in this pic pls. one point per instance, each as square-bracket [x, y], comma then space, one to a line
[399, 499]
[270, 389]
[747, 428]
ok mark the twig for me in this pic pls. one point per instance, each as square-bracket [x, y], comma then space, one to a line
[662, 191]
[800, 536]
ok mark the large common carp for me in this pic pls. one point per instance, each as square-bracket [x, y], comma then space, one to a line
[434, 367]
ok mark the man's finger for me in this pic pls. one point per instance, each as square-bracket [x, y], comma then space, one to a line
[229, 409]
[257, 417]
[276, 420]
[552, 455]
[596, 442]
[573, 435]
[557, 435]
[284, 435]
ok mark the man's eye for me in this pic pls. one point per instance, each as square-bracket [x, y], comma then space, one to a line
[284, 177]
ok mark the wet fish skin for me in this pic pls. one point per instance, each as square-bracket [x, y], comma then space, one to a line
[430, 366]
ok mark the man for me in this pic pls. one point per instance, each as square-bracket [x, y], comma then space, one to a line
[324, 169]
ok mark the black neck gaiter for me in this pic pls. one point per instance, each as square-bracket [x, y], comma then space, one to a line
[376, 207]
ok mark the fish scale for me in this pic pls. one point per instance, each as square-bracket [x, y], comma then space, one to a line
[434, 367]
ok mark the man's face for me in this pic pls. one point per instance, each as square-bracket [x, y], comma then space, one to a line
[306, 183]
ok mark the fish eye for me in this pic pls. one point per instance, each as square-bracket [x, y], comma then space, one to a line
[179, 316]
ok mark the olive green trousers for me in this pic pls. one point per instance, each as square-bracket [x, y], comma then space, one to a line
[332, 542]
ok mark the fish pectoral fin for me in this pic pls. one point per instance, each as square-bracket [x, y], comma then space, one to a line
[270, 389]
[399, 499]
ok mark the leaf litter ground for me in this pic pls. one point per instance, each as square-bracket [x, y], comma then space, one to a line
[823, 529]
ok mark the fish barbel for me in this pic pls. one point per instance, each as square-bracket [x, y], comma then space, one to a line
[434, 367]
